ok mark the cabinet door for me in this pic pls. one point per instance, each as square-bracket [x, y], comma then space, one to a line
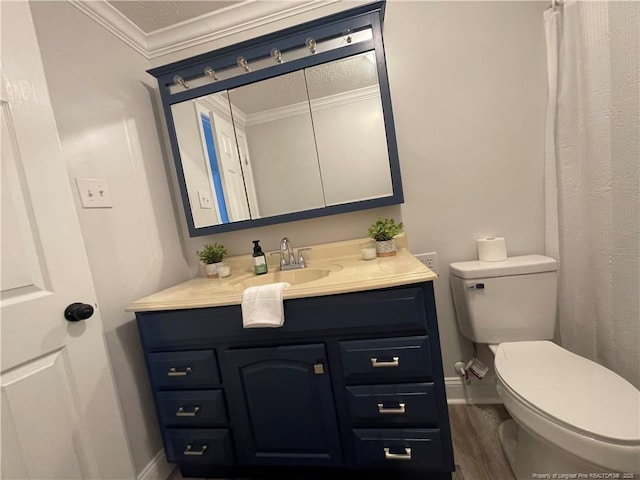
[281, 405]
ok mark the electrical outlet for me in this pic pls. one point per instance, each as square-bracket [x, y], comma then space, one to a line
[430, 260]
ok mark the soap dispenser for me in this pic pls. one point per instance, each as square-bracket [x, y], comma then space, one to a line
[259, 259]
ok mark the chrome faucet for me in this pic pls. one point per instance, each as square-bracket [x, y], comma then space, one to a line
[285, 246]
[287, 256]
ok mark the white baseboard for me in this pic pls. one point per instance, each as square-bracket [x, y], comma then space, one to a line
[481, 391]
[157, 468]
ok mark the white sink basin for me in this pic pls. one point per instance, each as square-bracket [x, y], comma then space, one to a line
[294, 277]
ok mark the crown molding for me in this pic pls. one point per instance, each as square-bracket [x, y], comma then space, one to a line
[235, 115]
[218, 24]
[361, 94]
[116, 23]
[304, 108]
[292, 110]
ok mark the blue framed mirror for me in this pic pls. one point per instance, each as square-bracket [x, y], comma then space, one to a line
[292, 125]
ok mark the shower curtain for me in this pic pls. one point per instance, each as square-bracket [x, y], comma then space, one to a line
[592, 190]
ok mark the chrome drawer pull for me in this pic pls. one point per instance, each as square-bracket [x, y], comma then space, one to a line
[183, 413]
[398, 456]
[188, 451]
[178, 373]
[376, 364]
[400, 410]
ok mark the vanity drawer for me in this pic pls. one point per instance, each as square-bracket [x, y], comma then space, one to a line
[389, 405]
[399, 448]
[392, 359]
[192, 369]
[210, 446]
[197, 408]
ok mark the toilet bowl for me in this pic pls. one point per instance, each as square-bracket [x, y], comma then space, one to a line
[589, 415]
[571, 416]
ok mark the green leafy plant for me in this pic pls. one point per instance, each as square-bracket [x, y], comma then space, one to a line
[384, 229]
[212, 253]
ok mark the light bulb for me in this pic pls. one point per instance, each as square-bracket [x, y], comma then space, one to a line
[311, 44]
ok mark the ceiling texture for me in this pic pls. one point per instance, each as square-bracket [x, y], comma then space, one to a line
[154, 16]
[317, 82]
[150, 16]
[161, 28]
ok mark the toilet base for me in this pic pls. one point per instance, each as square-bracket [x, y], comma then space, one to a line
[530, 456]
[508, 434]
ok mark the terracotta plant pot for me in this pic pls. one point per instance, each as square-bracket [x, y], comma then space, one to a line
[386, 248]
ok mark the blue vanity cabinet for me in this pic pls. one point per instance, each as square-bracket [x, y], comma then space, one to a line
[350, 387]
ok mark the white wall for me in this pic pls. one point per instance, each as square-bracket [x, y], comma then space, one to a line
[285, 163]
[102, 100]
[352, 150]
[469, 106]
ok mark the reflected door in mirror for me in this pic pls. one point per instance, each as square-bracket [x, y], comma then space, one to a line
[210, 160]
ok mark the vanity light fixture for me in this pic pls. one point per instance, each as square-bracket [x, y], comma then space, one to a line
[341, 37]
[311, 44]
[178, 80]
[210, 72]
[276, 55]
[242, 63]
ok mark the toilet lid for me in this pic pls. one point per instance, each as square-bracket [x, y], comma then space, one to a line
[573, 391]
[524, 265]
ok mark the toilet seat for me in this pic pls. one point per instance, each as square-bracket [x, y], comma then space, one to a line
[562, 397]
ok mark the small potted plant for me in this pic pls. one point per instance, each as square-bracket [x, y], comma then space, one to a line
[211, 255]
[382, 231]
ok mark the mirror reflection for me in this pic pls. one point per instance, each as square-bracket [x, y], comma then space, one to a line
[349, 127]
[305, 140]
[274, 120]
[210, 160]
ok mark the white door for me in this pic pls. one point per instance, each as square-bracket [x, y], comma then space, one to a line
[247, 170]
[235, 194]
[60, 415]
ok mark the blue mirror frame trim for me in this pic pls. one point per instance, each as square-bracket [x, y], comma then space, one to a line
[371, 15]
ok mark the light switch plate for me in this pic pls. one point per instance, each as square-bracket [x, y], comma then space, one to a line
[205, 199]
[93, 193]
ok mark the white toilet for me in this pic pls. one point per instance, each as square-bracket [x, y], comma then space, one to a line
[572, 416]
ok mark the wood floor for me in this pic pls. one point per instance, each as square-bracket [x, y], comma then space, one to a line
[476, 448]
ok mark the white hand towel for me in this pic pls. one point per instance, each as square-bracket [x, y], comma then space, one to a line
[262, 306]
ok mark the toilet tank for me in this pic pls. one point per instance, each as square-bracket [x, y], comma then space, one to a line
[508, 301]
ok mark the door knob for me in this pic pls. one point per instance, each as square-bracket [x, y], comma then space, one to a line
[78, 311]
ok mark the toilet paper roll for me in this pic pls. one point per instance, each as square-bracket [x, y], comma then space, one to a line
[492, 249]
